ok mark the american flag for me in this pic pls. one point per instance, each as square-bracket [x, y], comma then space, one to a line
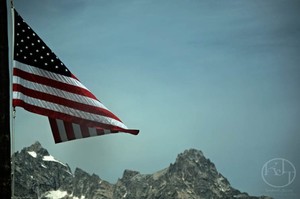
[42, 84]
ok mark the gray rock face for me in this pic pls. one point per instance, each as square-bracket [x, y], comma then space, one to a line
[191, 176]
[36, 172]
[39, 175]
[89, 186]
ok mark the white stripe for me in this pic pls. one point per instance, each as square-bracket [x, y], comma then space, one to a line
[77, 130]
[67, 110]
[57, 92]
[48, 74]
[93, 132]
[61, 130]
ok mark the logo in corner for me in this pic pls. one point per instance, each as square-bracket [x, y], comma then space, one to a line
[278, 173]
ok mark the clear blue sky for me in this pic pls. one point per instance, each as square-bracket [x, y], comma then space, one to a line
[219, 76]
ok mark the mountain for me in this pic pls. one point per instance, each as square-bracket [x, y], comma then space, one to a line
[40, 175]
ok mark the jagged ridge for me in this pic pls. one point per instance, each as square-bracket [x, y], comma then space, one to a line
[39, 175]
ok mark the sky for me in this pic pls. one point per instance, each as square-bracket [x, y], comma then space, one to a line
[222, 77]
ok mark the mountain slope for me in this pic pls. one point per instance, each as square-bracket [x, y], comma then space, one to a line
[40, 175]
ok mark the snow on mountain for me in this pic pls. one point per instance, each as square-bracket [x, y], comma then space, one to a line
[192, 175]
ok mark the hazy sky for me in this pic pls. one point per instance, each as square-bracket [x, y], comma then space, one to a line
[219, 76]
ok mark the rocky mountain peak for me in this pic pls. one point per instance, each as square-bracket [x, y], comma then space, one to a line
[36, 171]
[37, 149]
[192, 175]
[128, 174]
[191, 157]
[193, 163]
[37, 145]
[191, 154]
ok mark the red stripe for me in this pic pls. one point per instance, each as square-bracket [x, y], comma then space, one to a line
[100, 132]
[64, 102]
[53, 83]
[55, 130]
[84, 131]
[69, 130]
[70, 118]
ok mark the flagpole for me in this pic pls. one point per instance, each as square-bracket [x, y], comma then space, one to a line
[5, 166]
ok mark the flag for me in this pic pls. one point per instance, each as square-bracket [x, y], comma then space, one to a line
[42, 84]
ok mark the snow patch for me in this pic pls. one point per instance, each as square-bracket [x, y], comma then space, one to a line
[82, 197]
[32, 153]
[44, 166]
[52, 159]
[69, 173]
[56, 194]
